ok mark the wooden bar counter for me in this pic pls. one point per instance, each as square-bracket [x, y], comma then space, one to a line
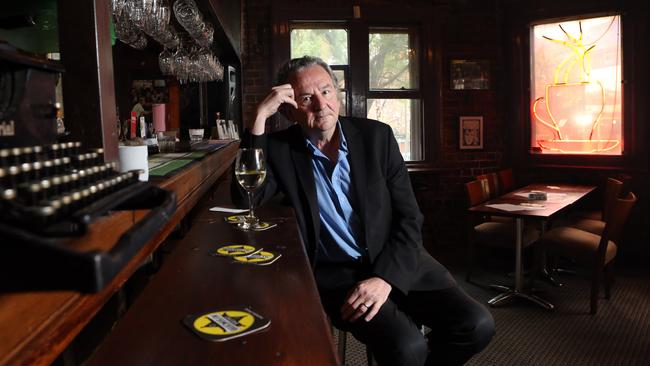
[35, 327]
[192, 281]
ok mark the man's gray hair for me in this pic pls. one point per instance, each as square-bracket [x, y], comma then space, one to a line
[297, 64]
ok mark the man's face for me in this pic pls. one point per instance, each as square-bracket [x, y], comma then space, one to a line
[318, 105]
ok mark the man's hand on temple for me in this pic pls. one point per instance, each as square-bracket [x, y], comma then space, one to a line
[365, 299]
[279, 95]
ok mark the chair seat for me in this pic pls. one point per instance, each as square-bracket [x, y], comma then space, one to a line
[591, 215]
[502, 234]
[575, 243]
[592, 226]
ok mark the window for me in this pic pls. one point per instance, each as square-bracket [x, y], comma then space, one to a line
[392, 92]
[393, 87]
[329, 44]
[576, 87]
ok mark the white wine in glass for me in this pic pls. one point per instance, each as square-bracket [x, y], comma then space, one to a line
[250, 171]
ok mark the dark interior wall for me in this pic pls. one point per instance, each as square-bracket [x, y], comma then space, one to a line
[484, 30]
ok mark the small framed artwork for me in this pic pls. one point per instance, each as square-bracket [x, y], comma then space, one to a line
[470, 74]
[471, 132]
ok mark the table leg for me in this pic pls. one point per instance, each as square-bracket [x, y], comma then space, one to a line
[517, 291]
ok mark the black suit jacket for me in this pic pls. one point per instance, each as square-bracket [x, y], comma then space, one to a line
[387, 207]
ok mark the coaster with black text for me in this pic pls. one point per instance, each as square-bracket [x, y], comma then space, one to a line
[223, 325]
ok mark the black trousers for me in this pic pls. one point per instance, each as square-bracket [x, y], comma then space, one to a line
[460, 326]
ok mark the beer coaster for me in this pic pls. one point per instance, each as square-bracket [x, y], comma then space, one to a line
[260, 258]
[261, 226]
[223, 325]
[235, 250]
[235, 219]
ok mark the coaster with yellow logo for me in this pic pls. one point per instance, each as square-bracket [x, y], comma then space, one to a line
[235, 250]
[260, 258]
[226, 324]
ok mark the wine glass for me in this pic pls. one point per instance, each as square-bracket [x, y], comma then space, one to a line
[250, 171]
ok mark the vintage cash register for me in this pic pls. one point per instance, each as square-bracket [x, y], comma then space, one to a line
[53, 191]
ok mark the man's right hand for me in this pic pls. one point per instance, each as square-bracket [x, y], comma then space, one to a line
[279, 95]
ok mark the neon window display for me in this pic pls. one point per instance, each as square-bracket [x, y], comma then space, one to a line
[576, 87]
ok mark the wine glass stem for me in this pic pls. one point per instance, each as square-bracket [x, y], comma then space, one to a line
[251, 213]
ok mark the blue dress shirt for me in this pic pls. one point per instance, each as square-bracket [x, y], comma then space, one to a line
[340, 226]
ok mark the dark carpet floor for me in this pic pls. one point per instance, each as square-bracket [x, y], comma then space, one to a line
[529, 335]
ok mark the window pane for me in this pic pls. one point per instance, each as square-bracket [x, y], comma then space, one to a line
[390, 64]
[576, 87]
[403, 115]
[329, 44]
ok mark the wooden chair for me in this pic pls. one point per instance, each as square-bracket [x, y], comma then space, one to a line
[596, 250]
[506, 180]
[486, 232]
[490, 183]
[594, 221]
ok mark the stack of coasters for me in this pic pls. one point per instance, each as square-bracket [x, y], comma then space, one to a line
[223, 325]
[244, 253]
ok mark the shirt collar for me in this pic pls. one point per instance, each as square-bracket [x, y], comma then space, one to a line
[343, 146]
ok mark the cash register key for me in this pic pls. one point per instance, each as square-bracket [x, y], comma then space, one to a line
[37, 170]
[38, 152]
[66, 183]
[45, 214]
[16, 155]
[48, 168]
[74, 180]
[29, 193]
[58, 166]
[76, 200]
[4, 178]
[25, 172]
[4, 157]
[54, 151]
[79, 161]
[47, 189]
[27, 154]
[77, 146]
[67, 162]
[66, 204]
[56, 183]
[14, 175]
[85, 196]
[82, 176]
[8, 194]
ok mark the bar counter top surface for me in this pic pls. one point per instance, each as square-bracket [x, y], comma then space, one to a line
[192, 281]
[35, 327]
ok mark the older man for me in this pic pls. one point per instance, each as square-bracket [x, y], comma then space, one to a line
[361, 225]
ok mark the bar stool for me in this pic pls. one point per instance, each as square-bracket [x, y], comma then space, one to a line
[342, 347]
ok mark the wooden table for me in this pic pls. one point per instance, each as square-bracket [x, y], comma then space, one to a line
[530, 210]
[35, 327]
[192, 281]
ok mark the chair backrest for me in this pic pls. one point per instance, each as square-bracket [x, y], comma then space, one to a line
[490, 182]
[506, 180]
[617, 218]
[612, 192]
[476, 192]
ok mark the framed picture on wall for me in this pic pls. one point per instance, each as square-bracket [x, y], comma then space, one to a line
[470, 74]
[471, 132]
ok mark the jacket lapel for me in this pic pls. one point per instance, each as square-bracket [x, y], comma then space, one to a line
[302, 162]
[356, 151]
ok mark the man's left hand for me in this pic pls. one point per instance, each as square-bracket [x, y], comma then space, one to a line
[365, 299]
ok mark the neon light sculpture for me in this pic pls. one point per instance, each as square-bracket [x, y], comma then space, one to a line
[574, 88]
